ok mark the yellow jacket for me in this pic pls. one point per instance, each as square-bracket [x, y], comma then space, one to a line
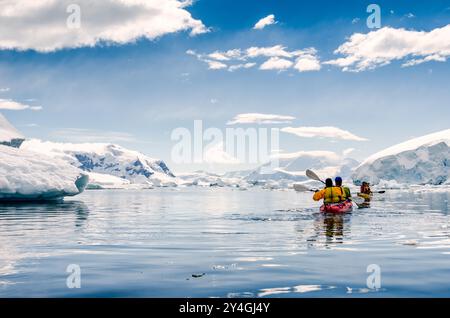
[331, 195]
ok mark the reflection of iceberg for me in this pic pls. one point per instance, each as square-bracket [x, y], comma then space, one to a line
[28, 218]
[26, 175]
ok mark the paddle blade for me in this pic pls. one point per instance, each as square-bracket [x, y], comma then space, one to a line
[310, 174]
[301, 188]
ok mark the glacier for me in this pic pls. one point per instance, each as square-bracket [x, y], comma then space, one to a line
[9, 135]
[108, 159]
[291, 168]
[26, 175]
[423, 160]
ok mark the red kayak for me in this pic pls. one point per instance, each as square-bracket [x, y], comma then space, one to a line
[344, 207]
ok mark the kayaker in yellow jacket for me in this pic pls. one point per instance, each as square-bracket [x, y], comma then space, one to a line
[330, 194]
[345, 190]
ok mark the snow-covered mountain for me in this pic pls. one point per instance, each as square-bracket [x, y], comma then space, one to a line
[208, 179]
[292, 167]
[423, 160]
[107, 159]
[9, 135]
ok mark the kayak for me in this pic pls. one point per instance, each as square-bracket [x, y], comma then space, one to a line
[343, 207]
[365, 196]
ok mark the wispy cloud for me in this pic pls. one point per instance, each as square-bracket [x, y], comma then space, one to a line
[322, 132]
[378, 48]
[215, 154]
[78, 135]
[276, 63]
[257, 118]
[9, 104]
[262, 23]
[110, 21]
[277, 58]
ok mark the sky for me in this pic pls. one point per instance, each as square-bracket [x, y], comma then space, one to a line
[130, 72]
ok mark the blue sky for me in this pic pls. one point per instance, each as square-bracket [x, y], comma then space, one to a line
[135, 93]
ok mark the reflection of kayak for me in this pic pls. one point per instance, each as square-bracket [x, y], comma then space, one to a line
[337, 207]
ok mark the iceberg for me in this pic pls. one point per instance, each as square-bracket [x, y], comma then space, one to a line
[106, 181]
[423, 160]
[208, 179]
[291, 168]
[26, 175]
[107, 159]
[9, 135]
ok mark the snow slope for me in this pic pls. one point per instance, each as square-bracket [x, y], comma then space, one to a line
[207, 179]
[25, 175]
[292, 167]
[108, 159]
[9, 135]
[423, 160]
[106, 181]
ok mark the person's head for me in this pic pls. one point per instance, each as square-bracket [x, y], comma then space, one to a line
[338, 181]
[328, 182]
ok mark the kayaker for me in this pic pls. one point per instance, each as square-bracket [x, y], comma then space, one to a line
[330, 194]
[346, 194]
[365, 188]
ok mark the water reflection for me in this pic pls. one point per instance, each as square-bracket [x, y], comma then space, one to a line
[329, 229]
[16, 211]
[21, 227]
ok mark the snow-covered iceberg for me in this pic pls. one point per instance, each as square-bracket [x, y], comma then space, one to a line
[26, 175]
[9, 136]
[291, 168]
[108, 159]
[106, 181]
[208, 179]
[423, 160]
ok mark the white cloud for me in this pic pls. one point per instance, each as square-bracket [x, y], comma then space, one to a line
[307, 61]
[348, 151]
[239, 66]
[91, 135]
[377, 48]
[355, 20]
[13, 105]
[261, 24]
[410, 15]
[322, 132]
[216, 154]
[330, 155]
[269, 51]
[4, 89]
[276, 63]
[215, 65]
[279, 58]
[42, 25]
[257, 118]
[225, 56]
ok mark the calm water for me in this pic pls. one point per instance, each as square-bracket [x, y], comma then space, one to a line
[254, 243]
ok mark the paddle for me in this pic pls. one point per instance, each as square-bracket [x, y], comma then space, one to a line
[302, 188]
[312, 175]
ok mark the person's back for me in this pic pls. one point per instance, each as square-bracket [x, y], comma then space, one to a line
[330, 194]
[365, 188]
[346, 193]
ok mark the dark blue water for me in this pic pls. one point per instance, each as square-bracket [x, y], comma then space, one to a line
[226, 243]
